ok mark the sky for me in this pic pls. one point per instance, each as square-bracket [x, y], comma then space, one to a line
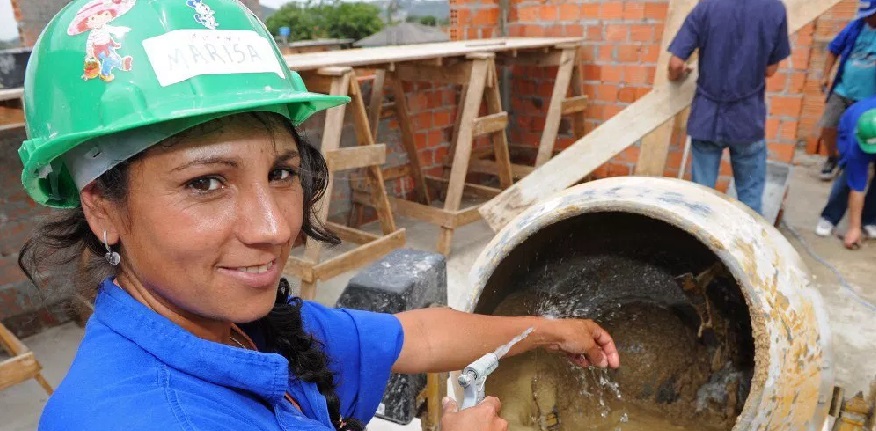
[8, 27]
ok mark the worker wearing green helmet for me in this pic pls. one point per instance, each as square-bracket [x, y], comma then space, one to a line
[164, 131]
[857, 148]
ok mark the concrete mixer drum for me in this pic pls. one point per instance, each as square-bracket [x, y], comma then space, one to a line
[710, 307]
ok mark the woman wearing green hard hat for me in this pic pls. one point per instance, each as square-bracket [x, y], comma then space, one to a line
[164, 133]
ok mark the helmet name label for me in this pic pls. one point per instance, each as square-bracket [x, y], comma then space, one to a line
[179, 55]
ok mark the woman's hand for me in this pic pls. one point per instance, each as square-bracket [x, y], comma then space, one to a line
[482, 417]
[585, 342]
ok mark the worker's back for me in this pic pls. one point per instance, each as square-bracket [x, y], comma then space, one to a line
[738, 41]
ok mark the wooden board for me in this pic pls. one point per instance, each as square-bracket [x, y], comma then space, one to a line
[655, 145]
[10, 93]
[616, 134]
[401, 53]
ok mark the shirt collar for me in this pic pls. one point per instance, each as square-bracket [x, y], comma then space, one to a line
[265, 374]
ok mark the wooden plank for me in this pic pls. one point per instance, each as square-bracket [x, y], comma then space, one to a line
[455, 74]
[489, 167]
[360, 256]
[11, 94]
[407, 135]
[11, 343]
[348, 234]
[299, 268]
[470, 108]
[356, 157]
[405, 53]
[466, 216]
[490, 124]
[655, 145]
[396, 172]
[18, 369]
[573, 104]
[554, 113]
[11, 116]
[473, 189]
[429, 214]
[550, 59]
[581, 158]
[577, 90]
[376, 106]
[499, 139]
[365, 139]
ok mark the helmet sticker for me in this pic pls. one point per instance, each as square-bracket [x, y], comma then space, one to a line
[179, 55]
[204, 15]
[102, 45]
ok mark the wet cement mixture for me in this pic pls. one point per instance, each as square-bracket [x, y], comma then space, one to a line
[679, 322]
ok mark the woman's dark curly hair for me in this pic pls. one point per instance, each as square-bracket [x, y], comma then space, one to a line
[66, 236]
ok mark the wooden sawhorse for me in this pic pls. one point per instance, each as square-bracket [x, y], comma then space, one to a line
[11, 109]
[22, 366]
[342, 81]
[476, 73]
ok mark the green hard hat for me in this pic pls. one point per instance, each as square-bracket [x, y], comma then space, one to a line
[865, 132]
[110, 78]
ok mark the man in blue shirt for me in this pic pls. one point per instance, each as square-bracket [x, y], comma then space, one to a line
[740, 43]
[857, 149]
[855, 46]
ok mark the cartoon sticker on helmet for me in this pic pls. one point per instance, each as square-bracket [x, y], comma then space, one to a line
[101, 47]
[204, 15]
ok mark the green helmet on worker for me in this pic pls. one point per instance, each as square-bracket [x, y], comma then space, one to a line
[865, 132]
[107, 79]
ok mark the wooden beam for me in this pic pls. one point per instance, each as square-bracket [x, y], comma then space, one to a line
[18, 369]
[574, 104]
[454, 74]
[375, 105]
[466, 216]
[489, 167]
[300, 268]
[655, 145]
[360, 256]
[554, 113]
[407, 138]
[396, 172]
[348, 234]
[430, 214]
[535, 59]
[472, 189]
[356, 157]
[627, 127]
[490, 124]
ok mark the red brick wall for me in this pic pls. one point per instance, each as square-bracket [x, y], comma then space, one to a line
[620, 54]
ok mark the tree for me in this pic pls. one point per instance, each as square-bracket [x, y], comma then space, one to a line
[340, 20]
[429, 20]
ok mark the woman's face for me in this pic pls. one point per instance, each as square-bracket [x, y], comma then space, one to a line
[210, 219]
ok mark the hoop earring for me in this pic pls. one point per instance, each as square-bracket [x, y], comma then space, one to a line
[111, 257]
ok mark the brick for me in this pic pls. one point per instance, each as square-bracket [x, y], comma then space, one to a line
[781, 152]
[642, 33]
[772, 129]
[590, 11]
[533, 30]
[485, 17]
[528, 13]
[777, 82]
[785, 106]
[788, 131]
[611, 10]
[650, 53]
[656, 10]
[549, 13]
[612, 74]
[555, 30]
[607, 93]
[636, 74]
[634, 11]
[574, 30]
[595, 33]
[616, 32]
[628, 53]
[607, 54]
[627, 95]
[570, 12]
[612, 110]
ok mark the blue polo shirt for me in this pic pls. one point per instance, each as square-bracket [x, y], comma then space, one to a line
[855, 162]
[737, 40]
[844, 45]
[136, 370]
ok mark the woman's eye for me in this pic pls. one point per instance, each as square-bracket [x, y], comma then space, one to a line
[205, 184]
[281, 174]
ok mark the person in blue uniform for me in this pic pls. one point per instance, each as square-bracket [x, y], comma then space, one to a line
[855, 49]
[183, 185]
[857, 149]
[740, 43]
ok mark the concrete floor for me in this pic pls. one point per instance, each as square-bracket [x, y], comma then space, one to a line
[850, 307]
